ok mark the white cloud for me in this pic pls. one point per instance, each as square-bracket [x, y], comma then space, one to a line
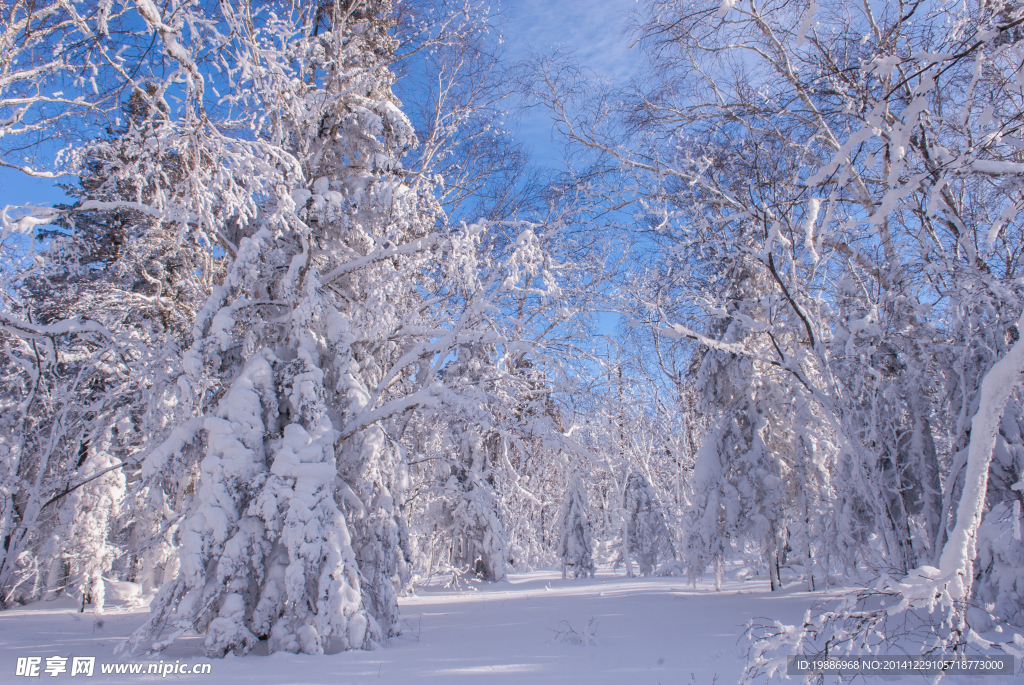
[593, 29]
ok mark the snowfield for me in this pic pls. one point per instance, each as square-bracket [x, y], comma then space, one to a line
[646, 630]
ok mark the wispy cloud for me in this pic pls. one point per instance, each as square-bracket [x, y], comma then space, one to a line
[592, 29]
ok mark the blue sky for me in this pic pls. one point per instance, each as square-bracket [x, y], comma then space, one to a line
[590, 29]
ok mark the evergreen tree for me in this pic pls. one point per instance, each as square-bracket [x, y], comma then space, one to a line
[647, 538]
[292, 534]
[575, 543]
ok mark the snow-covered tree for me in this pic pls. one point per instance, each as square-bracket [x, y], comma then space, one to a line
[292, 535]
[576, 543]
[85, 545]
[479, 540]
[351, 319]
[876, 208]
[647, 535]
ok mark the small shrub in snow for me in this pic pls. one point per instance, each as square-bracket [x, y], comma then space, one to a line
[566, 634]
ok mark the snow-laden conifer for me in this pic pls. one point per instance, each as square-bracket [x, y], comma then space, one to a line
[575, 541]
[305, 343]
[647, 536]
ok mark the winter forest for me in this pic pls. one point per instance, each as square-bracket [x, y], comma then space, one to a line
[314, 333]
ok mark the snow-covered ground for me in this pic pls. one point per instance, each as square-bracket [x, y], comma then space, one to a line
[645, 630]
